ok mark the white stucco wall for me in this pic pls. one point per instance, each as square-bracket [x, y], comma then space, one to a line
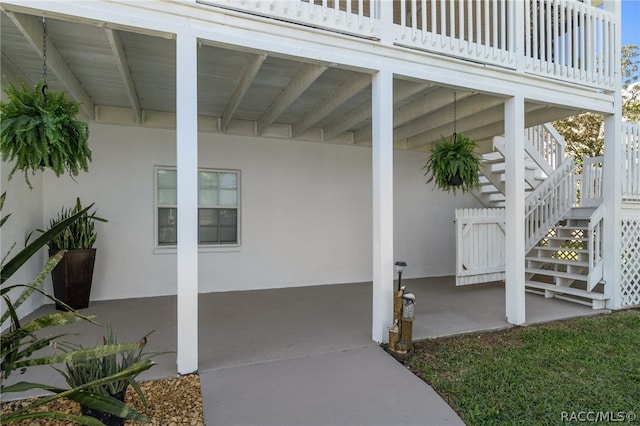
[305, 213]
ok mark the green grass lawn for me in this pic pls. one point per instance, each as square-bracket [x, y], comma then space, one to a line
[563, 372]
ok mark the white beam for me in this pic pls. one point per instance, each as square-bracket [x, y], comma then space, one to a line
[382, 175]
[445, 114]
[612, 183]
[187, 171]
[307, 75]
[339, 96]
[401, 91]
[514, 210]
[125, 73]
[31, 29]
[241, 89]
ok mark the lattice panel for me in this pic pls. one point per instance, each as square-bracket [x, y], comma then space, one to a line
[630, 280]
[566, 249]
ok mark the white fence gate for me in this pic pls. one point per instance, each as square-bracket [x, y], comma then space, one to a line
[480, 252]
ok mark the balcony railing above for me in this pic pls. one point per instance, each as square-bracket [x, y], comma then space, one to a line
[561, 39]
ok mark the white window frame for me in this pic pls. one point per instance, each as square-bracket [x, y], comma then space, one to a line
[166, 248]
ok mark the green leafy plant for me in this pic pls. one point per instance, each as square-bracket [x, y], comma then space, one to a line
[453, 165]
[20, 342]
[36, 133]
[80, 234]
[80, 372]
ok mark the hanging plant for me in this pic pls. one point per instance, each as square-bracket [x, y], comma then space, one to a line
[41, 131]
[453, 165]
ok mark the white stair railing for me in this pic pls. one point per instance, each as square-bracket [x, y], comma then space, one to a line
[549, 203]
[548, 142]
[596, 266]
[591, 183]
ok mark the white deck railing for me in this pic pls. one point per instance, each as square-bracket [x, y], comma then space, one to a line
[549, 202]
[561, 39]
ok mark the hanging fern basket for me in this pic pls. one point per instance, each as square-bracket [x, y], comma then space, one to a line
[40, 131]
[453, 165]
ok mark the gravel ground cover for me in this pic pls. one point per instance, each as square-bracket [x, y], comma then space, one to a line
[170, 402]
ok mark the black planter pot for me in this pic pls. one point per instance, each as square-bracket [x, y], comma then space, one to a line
[72, 277]
[106, 418]
[455, 180]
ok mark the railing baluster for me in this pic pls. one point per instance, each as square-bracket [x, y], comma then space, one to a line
[414, 19]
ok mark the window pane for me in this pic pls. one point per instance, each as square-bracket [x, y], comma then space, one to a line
[228, 217]
[228, 197]
[228, 180]
[208, 179]
[167, 178]
[167, 226]
[207, 226]
[228, 234]
[167, 196]
[208, 197]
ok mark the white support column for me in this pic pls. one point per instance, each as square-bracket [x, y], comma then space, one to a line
[187, 171]
[382, 170]
[612, 182]
[514, 209]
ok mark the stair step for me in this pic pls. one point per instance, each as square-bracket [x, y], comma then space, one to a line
[568, 275]
[574, 227]
[567, 238]
[558, 261]
[573, 250]
[583, 213]
[566, 290]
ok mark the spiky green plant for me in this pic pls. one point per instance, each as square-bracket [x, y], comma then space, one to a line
[453, 165]
[35, 134]
[80, 234]
[19, 343]
[80, 372]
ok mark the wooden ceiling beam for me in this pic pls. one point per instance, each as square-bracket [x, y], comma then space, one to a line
[124, 71]
[338, 97]
[362, 114]
[31, 29]
[250, 72]
[307, 75]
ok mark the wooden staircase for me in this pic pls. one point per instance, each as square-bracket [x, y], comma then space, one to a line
[560, 264]
[564, 258]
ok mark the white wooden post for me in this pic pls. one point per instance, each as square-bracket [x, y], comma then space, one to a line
[514, 209]
[612, 181]
[385, 20]
[382, 171]
[187, 171]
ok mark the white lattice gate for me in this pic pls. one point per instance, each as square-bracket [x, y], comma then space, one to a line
[480, 248]
[630, 271]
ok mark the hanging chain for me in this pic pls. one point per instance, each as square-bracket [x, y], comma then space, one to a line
[455, 114]
[44, 60]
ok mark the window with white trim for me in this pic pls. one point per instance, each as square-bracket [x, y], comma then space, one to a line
[218, 207]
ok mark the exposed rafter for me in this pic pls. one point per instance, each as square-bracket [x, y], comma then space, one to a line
[12, 72]
[468, 105]
[359, 115]
[484, 124]
[125, 73]
[432, 101]
[249, 75]
[31, 29]
[300, 83]
[339, 96]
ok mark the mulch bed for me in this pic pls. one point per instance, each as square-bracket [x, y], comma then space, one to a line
[170, 402]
